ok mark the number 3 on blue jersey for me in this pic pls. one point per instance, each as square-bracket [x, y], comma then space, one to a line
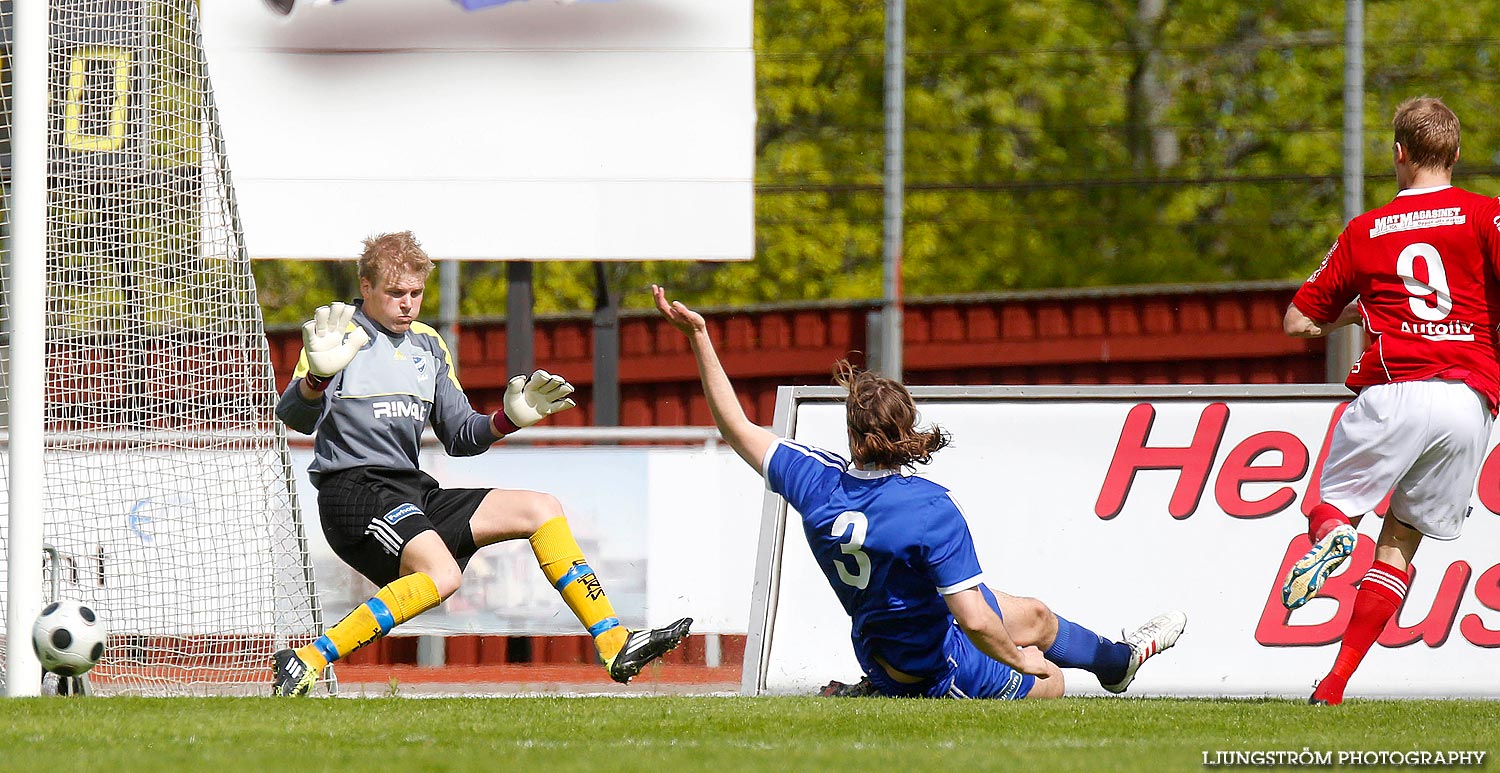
[860, 577]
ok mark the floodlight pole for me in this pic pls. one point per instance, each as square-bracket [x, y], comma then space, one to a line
[520, 318]
[448, 282]
[28, 307]
[606, 390]
[889, 360]
[1347, 343]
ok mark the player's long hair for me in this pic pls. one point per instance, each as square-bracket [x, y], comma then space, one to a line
[391, 255]
[883, 429]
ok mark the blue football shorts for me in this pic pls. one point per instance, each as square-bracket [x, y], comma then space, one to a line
[971, 673]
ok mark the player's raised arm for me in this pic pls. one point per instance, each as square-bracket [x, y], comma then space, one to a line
[748, 439]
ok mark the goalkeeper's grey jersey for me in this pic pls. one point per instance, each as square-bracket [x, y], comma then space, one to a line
[374, 411]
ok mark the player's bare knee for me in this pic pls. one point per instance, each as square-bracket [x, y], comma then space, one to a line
[427, 554]
[540, 508]
[1043, 614]
[448, 580]
[1040, 623]
[1051, 687]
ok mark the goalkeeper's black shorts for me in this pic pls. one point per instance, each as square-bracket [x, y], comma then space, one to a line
[370, 513]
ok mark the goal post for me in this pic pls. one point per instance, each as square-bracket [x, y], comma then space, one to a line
[1112, 504]
[22, 300]
[165, 483]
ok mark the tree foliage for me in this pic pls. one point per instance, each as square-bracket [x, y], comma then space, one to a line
[1051, 143]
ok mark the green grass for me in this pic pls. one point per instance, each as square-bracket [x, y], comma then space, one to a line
[707, 733]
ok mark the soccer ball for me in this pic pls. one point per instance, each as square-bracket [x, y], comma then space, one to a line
[68, 638]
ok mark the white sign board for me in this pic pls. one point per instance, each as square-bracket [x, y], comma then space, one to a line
[670, 531]
[139, 542]
[529, 131]
[1112, 507]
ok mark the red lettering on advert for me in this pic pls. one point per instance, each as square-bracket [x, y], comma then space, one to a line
[1487, 590]
[1133, 455]
[1489, 483]
[1239, 468]
[1194, 464]
[1438, 624]
[1313, 498]
[1276, 630]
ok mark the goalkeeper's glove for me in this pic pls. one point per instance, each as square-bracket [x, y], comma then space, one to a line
[529, 399]
[329, 343]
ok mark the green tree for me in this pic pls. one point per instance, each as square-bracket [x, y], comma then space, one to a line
[1051, 143]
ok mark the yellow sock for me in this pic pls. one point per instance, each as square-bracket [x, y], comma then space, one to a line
[562, 561]
[392, 605]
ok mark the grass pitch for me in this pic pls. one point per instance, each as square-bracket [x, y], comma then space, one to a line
[708, 733]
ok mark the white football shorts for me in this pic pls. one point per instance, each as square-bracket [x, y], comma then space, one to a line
[1421, 441]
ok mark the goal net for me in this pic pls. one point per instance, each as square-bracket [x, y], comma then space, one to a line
[169, 498]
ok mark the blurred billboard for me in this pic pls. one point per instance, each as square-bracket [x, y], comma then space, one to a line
[527, 131]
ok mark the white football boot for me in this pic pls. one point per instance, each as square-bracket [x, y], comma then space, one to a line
[1155, 635]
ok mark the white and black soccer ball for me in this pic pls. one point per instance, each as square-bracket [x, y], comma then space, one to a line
[68, 638]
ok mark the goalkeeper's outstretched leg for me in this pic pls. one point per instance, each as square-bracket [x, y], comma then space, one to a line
[431, 575]
[539, 518]
[431, 565]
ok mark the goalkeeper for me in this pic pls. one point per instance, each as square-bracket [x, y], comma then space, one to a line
[371, 378]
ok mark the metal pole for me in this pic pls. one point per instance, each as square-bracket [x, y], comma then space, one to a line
[889, 361]
[606, 350]
[28, 306]
[1346, 344]
[519, 321]
[448, 283]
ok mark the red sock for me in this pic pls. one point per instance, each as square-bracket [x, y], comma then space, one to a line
[1380, 594]
[1323, 519]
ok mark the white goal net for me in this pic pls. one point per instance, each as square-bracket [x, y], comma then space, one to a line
[168, 494]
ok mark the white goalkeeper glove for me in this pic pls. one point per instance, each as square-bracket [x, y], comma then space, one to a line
[328, 341]
[529, 399]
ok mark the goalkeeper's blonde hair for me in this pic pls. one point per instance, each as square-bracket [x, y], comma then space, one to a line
[394, 254]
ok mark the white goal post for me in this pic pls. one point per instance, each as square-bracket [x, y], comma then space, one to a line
[159, 473]
[1114, 503]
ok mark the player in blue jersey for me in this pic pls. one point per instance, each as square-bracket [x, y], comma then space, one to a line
[897, 551]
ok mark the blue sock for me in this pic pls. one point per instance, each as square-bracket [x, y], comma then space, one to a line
[1078, 647]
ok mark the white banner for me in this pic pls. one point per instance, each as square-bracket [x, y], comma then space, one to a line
[158, 551]
[532, 131]
[1112, 509]
[669, 531]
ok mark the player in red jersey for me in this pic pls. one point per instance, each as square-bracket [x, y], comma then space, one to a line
[1421, 272]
